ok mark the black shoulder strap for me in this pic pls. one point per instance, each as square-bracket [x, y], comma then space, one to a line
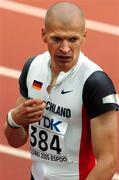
[22, 79]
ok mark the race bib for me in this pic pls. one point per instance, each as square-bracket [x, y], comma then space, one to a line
[47, 140]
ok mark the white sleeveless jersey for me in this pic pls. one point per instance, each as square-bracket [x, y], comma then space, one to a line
[60, 143]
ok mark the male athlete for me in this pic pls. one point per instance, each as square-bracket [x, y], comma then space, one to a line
[67, 106]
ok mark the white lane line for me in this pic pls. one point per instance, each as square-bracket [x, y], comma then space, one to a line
[23, 8]
[39, 12]
[103, 27]
[14, 152]
[4, 71]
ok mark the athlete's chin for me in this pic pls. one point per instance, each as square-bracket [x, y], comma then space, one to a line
[64, 66]
[64, 63]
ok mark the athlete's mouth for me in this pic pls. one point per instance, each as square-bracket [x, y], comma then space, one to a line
[63, 57]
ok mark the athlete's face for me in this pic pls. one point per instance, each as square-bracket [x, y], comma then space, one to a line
[64, 43]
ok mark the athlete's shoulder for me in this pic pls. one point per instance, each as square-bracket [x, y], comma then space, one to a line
[97, 88]
[87, 67]
[99, 79]
[37, 59]
[32, 65]
[89, 64]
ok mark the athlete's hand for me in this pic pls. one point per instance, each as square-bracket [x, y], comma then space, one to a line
[28, 112]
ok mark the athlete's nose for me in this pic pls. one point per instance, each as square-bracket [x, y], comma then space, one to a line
[64, 48]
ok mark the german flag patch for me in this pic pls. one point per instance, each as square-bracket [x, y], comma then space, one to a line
[37, 85]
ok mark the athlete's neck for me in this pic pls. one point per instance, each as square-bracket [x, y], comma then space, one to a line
[54, 77]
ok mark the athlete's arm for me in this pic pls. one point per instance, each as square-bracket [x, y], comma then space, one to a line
[25, 113]
[104, 141]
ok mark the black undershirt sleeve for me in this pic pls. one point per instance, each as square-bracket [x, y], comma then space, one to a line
[22, 79]
[96, 88]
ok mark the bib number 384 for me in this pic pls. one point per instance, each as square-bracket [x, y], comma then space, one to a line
[46, 142]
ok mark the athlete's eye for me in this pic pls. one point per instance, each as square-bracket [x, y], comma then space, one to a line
[73, 39]
[56, 39]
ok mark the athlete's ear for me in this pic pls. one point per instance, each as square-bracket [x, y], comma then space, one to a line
[84, 37]
[85, 33]
[44, 35]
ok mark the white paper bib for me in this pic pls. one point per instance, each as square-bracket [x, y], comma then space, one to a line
[47, 140]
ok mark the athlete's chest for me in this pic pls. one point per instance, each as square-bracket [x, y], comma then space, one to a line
[65, 97]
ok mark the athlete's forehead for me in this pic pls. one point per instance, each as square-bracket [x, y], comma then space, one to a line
[66, 14]
[64, 34]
